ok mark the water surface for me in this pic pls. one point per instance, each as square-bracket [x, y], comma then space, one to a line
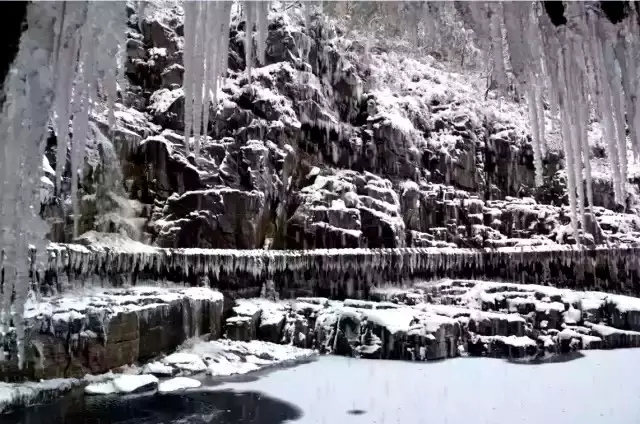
[602, 387]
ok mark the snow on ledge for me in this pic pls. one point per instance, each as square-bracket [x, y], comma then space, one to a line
[221, 358]
[178, 384]
[115, 301]
[14, 395]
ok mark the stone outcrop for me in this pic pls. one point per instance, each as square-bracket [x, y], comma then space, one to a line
[449, 319]
[71, 336]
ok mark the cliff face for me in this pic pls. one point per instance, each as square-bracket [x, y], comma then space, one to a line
[325, 147]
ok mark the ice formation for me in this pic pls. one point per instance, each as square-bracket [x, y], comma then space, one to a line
[206, 49]
[56, 68]
[588, 61]
[70, 59]
[371, 266]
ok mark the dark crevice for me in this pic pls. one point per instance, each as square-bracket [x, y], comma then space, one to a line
[615, 11]
[13, 24]
[555, 10]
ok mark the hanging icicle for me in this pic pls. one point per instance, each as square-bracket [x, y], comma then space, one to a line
[535, 132]
[498, 73]
[199, 71]
[190, 20]
[262, 22]
[249, 14]
[211, 64]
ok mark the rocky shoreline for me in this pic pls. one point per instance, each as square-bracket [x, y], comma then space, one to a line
[217, 336]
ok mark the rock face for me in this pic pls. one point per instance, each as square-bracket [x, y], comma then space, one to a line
[92, 334]
[322, 149]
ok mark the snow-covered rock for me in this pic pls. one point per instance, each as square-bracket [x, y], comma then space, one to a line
[21, 395]
[384, 121]
[178, 384]
[123, 384]
[224, 357]
[96, 330]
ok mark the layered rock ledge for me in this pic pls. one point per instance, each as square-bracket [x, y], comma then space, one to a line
[446, 319]
[341, 273]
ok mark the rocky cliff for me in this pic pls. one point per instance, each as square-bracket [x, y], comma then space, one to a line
[326, 146]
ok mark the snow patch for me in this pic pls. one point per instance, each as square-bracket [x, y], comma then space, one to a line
[177, 384]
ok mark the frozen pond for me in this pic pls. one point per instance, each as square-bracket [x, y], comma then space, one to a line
[601, 387]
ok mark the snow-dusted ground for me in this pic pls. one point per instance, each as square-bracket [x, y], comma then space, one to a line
[221, 358]
[217, 358]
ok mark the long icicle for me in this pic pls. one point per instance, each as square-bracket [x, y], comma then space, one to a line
[570, 74]
[605, 109]
[262, 22]
[199, 72]
[63, 102]
[535, 132]
[213, 17]
[617, 101]
[249, 11]
[567, 143]
[190, 19]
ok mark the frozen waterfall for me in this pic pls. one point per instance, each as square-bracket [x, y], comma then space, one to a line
[70, 59]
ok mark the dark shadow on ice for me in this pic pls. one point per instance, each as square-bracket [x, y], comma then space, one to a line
[356, 412]
[549, 359]
[219, 407]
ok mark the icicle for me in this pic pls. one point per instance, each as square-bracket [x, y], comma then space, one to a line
[29, 89]
[535, 131]
[199, 71]
[496, 45]
[69, 62]
[115, 50]
[262, 15]
[574, 125]
[224, 51]
[249, 11]
[568, 145]
[603, 97]
[190, 20]
[623, 51]
[211, 59]
[517, 18]
[584, 119]
[618, 107]
[306, 8]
